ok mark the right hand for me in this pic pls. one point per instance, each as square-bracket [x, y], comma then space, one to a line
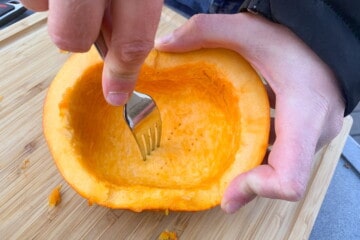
[129, 27]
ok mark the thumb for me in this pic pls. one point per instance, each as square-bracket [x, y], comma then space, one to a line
[198, 32]
[210, 31]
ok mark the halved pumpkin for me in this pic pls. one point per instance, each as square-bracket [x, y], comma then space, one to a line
[215, 115]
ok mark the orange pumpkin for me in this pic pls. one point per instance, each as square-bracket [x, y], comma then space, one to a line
[215, 115]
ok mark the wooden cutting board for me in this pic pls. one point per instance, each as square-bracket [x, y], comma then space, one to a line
[29, 61]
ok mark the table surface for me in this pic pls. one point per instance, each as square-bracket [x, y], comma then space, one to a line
[28, 174]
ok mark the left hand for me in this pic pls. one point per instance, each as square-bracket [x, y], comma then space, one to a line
[309, 105]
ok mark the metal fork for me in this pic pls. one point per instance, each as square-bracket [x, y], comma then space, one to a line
[140, 112]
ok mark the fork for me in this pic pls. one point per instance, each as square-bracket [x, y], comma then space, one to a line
[140, 112]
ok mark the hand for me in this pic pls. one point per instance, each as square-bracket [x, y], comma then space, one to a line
[304, 92]
[129, 28]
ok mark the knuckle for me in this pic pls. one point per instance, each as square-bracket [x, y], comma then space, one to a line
[331, 131]
[292, 190]
[336, 128]
[70, 43]
[38, 6]
[133, 52]
[199, 22]
[332, 119]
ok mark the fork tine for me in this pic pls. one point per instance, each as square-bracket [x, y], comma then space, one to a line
[146, 137]
[140, 141]
[158, 133]
[152, 138]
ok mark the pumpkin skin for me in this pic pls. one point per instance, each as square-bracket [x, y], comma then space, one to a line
[215, 114]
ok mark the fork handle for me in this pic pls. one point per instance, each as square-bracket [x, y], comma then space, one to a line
[101, 46]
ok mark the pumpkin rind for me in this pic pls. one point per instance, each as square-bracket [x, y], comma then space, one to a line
[215, 116]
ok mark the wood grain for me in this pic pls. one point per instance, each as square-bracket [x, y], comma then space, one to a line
[28, 174]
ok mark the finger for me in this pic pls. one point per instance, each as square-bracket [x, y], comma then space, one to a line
[134, 26]
[36, 5]
[74, 25]
[287, 171]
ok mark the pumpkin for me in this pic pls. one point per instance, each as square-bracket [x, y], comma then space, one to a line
[215, 114]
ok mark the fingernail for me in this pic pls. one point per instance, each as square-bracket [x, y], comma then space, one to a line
[117, 98]
[164, 40]
[231, 207]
